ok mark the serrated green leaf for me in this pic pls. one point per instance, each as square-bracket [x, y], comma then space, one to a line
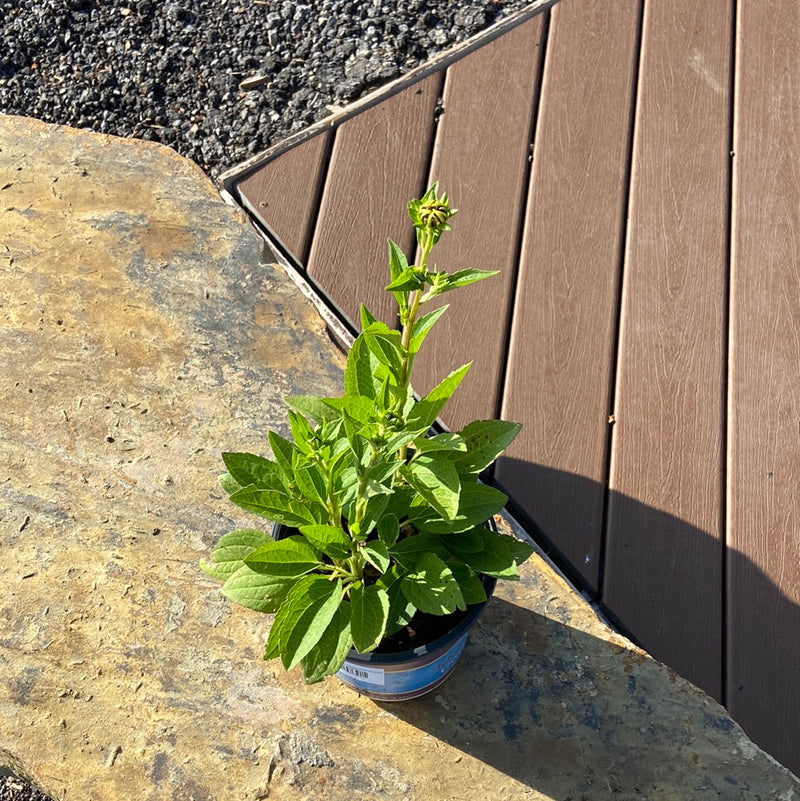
[361, 410]
[385, 347]
[247, 469]
[388, 529]
[290, 557]
[369, 607]
[302, 432]
[408, 551]
[499, 556]
[359, 374]
[485, 440]
[283, 451]
[471, 586]
[376, 506]
[477, 503]
[328, 655]
[228, 555]
[311, 406]
[407, 281]
[432, 587]
[256, 591]
[273, 505]
[330, 540]
[436, 479]
[303, 618]
[229, 484]
[377, 554]
[311, 482]
[401, 610]
[427, 410]
[441, 442]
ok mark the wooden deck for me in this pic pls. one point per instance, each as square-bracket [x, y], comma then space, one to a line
[633, 169]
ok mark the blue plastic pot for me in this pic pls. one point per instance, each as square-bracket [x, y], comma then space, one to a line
[402, 675]
[409, 674]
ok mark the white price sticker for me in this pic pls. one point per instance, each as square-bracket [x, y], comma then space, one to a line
[368, 675]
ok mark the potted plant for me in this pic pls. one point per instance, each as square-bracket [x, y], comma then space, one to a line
[380, 556]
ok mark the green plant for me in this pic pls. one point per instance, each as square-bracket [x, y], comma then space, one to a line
[387, 516]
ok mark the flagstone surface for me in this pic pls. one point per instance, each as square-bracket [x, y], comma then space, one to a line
[141, 333]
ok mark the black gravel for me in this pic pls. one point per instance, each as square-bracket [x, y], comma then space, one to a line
[171, 71]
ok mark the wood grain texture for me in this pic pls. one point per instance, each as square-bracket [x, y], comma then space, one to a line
[379, 161]
[480, 159]
[565, 313]
[764, 423]
[664, 543]
[283, 194]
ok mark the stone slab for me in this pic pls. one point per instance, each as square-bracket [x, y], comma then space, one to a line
[140, 335]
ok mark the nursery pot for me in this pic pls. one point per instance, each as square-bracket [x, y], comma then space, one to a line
[402, 675]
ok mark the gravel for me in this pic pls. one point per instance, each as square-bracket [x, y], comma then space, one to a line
[218, 80]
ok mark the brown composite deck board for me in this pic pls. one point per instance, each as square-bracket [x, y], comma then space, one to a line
[655, 320]
[481, 159]
[379, 160]
[284, 194]
[664, 546]
[565, 311]
[764, 425]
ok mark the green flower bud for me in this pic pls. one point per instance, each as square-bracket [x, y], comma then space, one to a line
[431, 213]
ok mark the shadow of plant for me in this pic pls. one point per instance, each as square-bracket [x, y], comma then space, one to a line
[688, 598]
[574, 715]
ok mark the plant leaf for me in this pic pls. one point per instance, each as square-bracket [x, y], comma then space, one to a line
[423, 326]
[436, 479]
[486, 440]
[359, 374]
[330, 540]
[369, 612]
[385, 347]
[256, 591]
[273, 505]
[283, 451]
[407, 552]
[477, 503]
[303, 617]
[311, 406]
[471, 586]
[247, 468]
[401, 610]
[377, 554]
[331, 649]
[432, 587]
[367, 317]
[462, 278]
[229, 484]
[407, 281]
[499, 556]
[228, 555]
[311, 482]
[302, 432]
[388, 529]
[441, 442]
[290, 557]
[427, 410]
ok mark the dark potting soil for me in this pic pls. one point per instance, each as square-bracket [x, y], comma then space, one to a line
[423, 629]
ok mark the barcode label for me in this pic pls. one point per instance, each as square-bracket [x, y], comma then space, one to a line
[366, 674]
